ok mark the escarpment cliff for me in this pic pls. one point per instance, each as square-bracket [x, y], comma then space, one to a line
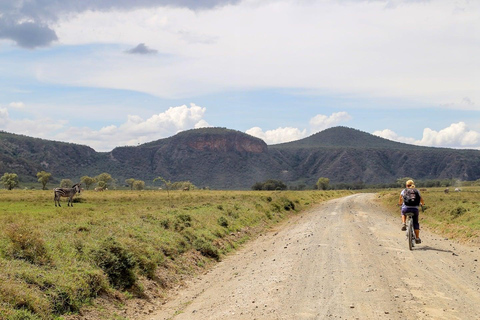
[227, 159]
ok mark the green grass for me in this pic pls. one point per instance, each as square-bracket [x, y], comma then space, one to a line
[55, 261]
[454, 215]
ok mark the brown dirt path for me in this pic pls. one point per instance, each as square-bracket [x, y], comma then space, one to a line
[345, 259]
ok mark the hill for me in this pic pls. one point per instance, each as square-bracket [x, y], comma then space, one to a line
[227, 159]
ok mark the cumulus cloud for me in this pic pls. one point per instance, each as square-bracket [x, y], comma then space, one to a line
[142, 49]
[321, 122]
[29, 23]
[391, 135]
[136, 130]
[457, 135]
[41, 127]
[287, 134]
[278, 135]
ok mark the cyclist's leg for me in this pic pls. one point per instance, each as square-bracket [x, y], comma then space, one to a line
[404, 218]
[416, 226]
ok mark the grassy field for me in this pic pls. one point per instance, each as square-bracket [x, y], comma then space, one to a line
[455, 215]
[55, 261]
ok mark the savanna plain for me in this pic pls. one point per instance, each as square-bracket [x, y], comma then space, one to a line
[125, 254]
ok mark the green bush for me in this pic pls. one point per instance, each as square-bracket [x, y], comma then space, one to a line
[117, 263]
[183, 221]
[26, 244]
[222, 221]
[206, 248]
[20, 315]
[457, 212]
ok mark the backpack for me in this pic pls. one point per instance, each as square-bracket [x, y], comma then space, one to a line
[411, 197]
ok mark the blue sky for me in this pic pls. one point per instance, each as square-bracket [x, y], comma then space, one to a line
[108, 74]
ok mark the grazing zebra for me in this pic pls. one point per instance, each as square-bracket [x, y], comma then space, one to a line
[66, 192]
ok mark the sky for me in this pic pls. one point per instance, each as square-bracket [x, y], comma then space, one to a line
[110, 73]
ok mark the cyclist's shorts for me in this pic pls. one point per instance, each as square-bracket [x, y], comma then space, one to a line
[409, 209]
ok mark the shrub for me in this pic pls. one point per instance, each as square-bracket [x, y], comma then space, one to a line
[20, 315]
[457, 212]
[288, 204]
[165, 223]
[26, 244]
[270, 185]
[222, 221]
[117, 263]
[206, 248]
[183, 221]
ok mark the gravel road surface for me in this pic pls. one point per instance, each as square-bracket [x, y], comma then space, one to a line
[344, 259]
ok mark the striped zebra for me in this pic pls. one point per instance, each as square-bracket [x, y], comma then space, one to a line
[66, 192]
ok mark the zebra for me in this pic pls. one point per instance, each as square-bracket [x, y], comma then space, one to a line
[66, 192]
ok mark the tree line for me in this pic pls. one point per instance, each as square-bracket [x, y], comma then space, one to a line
[102, 181]
[325, 184]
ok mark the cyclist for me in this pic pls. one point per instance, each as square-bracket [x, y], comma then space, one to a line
[410, 185]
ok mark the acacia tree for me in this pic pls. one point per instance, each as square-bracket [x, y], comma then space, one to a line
[104, 179]
[139, 184]
[87, 181]
[130, 182]
[322, 183]
[43, 178]
[9, 180]
[66, 183]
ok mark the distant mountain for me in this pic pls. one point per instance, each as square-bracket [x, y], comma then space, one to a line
[26, 156]
[227, 159]
[343, 137]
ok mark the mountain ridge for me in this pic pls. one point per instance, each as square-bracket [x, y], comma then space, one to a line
[229, 159]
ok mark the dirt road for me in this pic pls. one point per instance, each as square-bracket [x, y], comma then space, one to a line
[345, 259]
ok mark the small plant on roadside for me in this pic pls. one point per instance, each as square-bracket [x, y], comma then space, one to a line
[222, 221]
[117, 263]
[206, 248]
[457, 212]
[26, 244]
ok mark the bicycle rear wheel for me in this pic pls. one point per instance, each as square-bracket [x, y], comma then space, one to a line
[410, 234]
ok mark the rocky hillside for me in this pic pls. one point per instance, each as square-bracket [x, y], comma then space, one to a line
[26, 156]
[228, 159]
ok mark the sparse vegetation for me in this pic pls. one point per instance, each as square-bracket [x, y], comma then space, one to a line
[66, 183]
[323, 183]
[454, 214]
[88, 181]
[270, 184]
[9, 180]
[43, 178]
[53, 260]
[350, 158]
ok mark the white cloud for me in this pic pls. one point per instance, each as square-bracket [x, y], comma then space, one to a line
[4, 117]
[278, 135]
[321, 122]
[287, 134]
[416, 49]
[41, 127]
[390, 135]
[137, 130]
[133, 131]
[457, 135]
[202, 124]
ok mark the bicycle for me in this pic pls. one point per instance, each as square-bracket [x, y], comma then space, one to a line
[410, 231]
